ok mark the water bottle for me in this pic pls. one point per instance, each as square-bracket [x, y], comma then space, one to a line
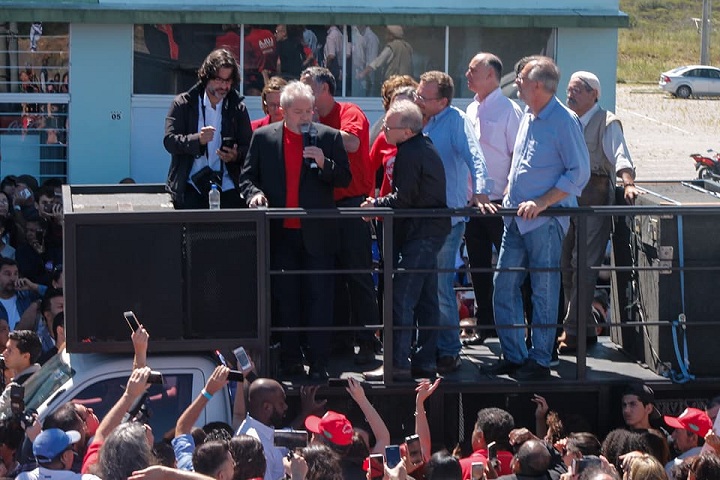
[214, 197]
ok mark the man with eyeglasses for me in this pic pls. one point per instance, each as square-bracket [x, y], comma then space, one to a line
[418, 182]
[609, 160]
[467, 183]
[550, 167]
[207, 132]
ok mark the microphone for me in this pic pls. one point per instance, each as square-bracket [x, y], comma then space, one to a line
[309, 133]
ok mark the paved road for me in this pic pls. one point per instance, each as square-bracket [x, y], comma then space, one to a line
[662, 131]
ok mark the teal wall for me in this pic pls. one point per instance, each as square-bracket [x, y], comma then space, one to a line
[594, 50]
[101, 59]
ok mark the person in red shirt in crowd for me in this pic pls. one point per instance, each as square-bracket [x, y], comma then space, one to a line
[270, 103]
[260, 59]
[492, 425]
[355, 245]
[230, 39]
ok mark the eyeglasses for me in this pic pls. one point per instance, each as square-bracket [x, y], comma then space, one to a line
[222, 80]
[387, 128]
[423, 99]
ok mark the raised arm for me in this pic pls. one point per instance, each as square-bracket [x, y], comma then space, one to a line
[137, 383]
[422, 429]
[217, 381]
[377, 424]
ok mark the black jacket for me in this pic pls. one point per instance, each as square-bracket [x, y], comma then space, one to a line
[182, 139]
[264, 172]
[418, 182]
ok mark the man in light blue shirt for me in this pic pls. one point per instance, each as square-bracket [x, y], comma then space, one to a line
[550, 167]
[466, 183]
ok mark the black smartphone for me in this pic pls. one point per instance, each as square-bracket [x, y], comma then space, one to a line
[235, 376]
[337, 382]
[478, 471]
[291, 439]
[155, 378]
[492, 451]
[580, 464]
[375, 465]
[228, 142]
[392, 455]
[414, 450]
[242, 358]
[131, 320]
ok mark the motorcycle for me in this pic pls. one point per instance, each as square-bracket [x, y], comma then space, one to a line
[707, 165]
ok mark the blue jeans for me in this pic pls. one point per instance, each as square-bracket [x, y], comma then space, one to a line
[539, 248]
[415, 299]
[448, 341]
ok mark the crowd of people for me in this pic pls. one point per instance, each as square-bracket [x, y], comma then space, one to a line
[315, 152]
[321, 444]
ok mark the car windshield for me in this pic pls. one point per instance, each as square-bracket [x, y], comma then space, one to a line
[46, 381]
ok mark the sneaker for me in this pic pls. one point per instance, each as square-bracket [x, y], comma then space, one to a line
[448, 364]
[532, 371]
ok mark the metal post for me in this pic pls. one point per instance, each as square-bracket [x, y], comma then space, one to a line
[583, 295]
[705, 35]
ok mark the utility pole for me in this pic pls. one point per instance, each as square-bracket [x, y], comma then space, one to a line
[705, 35]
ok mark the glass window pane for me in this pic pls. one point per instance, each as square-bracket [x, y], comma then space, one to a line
[378, 52]
[33, 140]
[34, 58]
[509, 44]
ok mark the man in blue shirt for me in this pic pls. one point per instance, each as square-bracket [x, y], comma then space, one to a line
[550, 167]
[466, 182]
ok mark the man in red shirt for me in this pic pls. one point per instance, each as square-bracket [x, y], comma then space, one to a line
[260, 59]
[355, 246]
[492, 425]
[281, 170]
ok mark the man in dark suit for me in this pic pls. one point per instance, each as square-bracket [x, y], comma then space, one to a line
[284, 169]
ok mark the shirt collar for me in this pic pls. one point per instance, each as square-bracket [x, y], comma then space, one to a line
[489, 98]
[438, 116]
[548, 109]
[206, 102]
[585, 119]
[263, 431]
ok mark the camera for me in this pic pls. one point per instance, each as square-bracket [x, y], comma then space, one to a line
[291, 439]
[139, 411]
[17, 406]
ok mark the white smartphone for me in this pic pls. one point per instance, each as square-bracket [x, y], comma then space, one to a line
[242, 358]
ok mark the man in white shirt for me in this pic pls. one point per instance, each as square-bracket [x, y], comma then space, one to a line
[609, 158]
[266, 411]
[333, 52]
[495, 119]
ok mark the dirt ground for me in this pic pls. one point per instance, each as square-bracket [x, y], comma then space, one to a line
[662, 131]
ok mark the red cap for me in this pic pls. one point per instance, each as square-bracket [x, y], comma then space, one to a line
[693, 420]
[333, 426]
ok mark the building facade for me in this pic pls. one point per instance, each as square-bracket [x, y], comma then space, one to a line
[85, 84]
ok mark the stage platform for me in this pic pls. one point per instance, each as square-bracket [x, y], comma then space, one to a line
[453, 408]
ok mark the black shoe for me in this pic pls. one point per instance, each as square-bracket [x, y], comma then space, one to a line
[378, 375]
[292, 369]
[448, 364]
[365, 354]
[554, 360]
[532, 371]
[503, 367]
[419, 372]
[318, 373]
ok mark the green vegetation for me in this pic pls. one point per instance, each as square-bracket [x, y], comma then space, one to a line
[662, 35]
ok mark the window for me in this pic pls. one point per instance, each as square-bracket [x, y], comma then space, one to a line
[166, 402]
[34, 87]
[361, 57]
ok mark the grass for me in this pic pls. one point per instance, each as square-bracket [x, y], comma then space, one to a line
[662, 36]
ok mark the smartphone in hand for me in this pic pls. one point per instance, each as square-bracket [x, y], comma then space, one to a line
[131, 320]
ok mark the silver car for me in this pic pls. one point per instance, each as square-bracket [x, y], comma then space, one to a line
[692, 80]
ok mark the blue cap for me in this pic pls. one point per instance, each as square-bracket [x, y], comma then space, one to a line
[52, 442]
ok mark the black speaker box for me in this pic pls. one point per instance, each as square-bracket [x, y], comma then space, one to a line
[659, 241]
